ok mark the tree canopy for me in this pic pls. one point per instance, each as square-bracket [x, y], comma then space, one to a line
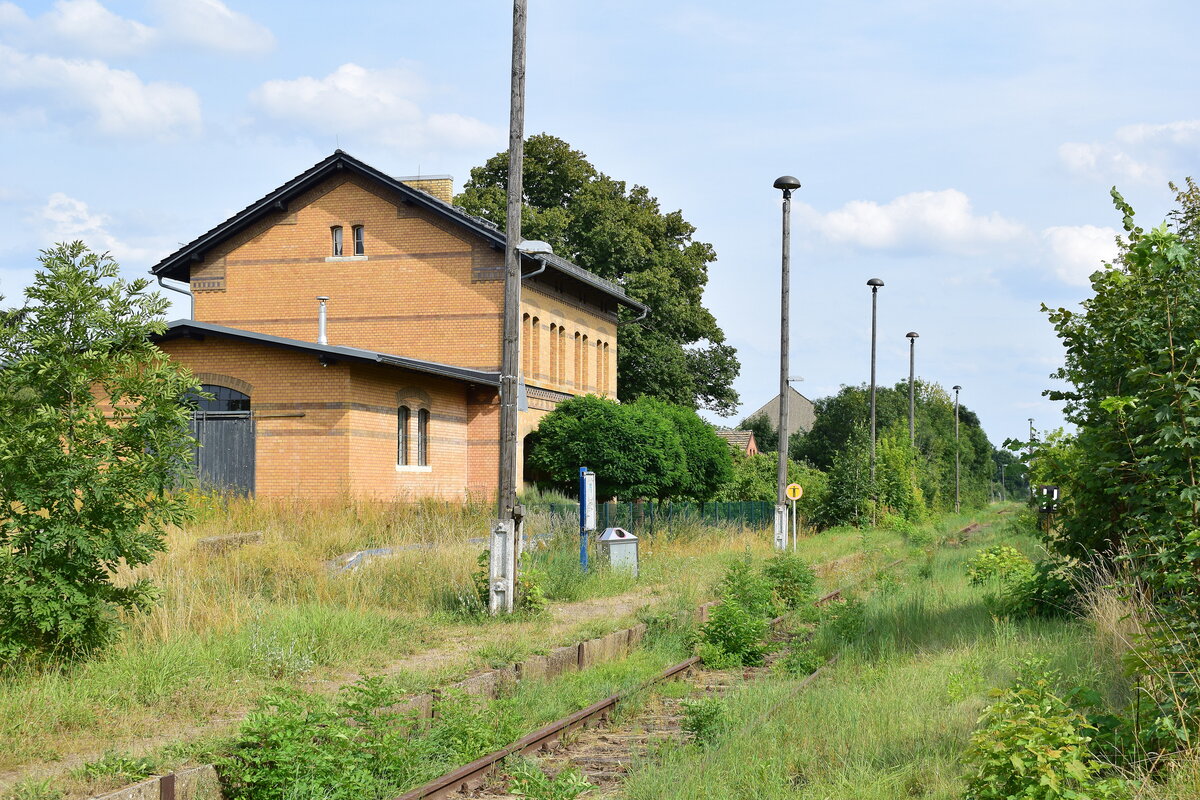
[678, 353]
[93, 443]
[647, 448]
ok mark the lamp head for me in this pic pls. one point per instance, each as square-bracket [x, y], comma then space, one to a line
[913, 335]
[874, 283]
[787, 183]
[956, 388]
[535, 247]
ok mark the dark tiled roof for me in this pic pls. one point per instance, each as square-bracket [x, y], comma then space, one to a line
[738, 439]
[181, 328]
[177, 265]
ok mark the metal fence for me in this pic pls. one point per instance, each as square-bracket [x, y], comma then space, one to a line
[646, 517]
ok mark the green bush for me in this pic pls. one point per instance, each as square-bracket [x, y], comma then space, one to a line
[714, 657]
[792, 579]
[737, 631]
[528, 780]
[751, 590]
[801, 659]
[705, 719]
[1031, 745]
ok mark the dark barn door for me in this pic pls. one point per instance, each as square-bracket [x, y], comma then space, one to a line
[224, 429]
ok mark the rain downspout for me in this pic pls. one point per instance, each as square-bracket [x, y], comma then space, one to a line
[191, 297]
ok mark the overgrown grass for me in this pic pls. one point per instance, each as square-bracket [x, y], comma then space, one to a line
[232, 626]
[893, 718]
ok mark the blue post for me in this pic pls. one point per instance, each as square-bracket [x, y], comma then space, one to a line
[583, 560]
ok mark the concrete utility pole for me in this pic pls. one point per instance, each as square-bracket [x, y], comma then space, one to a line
[956, 449]
[1029, 466]
[912, 391]
[508, 529]
[787, 184]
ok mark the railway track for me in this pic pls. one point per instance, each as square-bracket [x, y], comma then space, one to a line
[604, 753]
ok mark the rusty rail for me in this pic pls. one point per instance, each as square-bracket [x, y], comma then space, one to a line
[471, 776]
[837, 593]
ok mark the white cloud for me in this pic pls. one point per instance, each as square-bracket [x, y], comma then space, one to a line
[65, 219]
[1140, 153]
[931, 221]
[116, 101]
[1075, 252]
[82, 26]
[88, 27]
[380, 104]
[1107, 162]
[212, 24]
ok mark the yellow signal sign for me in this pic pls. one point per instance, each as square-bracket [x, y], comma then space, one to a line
[794, 491]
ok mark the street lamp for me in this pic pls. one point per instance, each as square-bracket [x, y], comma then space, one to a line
[874, 283]
[912, 392]
[957, 449]
[786, 184]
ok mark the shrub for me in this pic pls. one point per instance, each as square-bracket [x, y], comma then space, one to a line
[792, 579]
[705, 719]
[528, 780]
[733, 629]
[801, 659]
[1031, 745]
[93, 442]
[752, 591]
[715, 658]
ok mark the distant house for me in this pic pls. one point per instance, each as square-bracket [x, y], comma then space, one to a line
[741, 441]
[801, 412]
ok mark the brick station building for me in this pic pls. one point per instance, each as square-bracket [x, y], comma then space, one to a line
[400, 401]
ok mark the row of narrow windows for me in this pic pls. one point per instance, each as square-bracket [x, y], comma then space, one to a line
[404, 438]
[531, 345]
[360, 243]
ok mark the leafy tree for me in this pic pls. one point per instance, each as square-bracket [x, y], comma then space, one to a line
[678, 354]
[766, 435]
[634, 450]
[848, 501]
[754, 478]
[708, 459]
[93, 438]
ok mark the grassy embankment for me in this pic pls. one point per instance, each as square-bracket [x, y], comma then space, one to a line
[232, 627]
[893, 717]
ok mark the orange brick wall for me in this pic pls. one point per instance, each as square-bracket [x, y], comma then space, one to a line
[331, 431]
[577, 375]
[418, 293]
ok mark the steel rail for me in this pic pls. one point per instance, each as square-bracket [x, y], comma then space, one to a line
[471, 776]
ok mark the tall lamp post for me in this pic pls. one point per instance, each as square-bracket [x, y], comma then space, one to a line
[874, 283]
[912, 391]
[956, 449]
[787, 184]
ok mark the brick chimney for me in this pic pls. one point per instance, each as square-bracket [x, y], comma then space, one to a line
[440, 186]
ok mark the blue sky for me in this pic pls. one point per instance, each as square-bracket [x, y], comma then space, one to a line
[962, 152]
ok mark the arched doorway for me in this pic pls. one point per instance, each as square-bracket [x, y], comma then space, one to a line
[223, 425]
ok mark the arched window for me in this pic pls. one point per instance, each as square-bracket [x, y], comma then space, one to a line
[607, 370]
[583, 362]
[223, 400]
[562, 354]
[600, 368]
[336, 233]
[535, 367]
[402, 417]
[423, 437]
[526, 345]
[553, 353]
[578, 357]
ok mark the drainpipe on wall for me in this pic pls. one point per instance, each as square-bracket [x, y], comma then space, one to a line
[322, 338]
[191, 297]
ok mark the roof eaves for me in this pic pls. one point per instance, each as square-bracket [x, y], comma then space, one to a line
[181, 327]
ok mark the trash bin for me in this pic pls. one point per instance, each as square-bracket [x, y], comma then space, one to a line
[619, 549]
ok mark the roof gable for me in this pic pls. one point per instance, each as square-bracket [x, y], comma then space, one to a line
[177, 266]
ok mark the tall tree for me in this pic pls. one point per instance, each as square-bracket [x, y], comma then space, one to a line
[678, 354]
[93, 443]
